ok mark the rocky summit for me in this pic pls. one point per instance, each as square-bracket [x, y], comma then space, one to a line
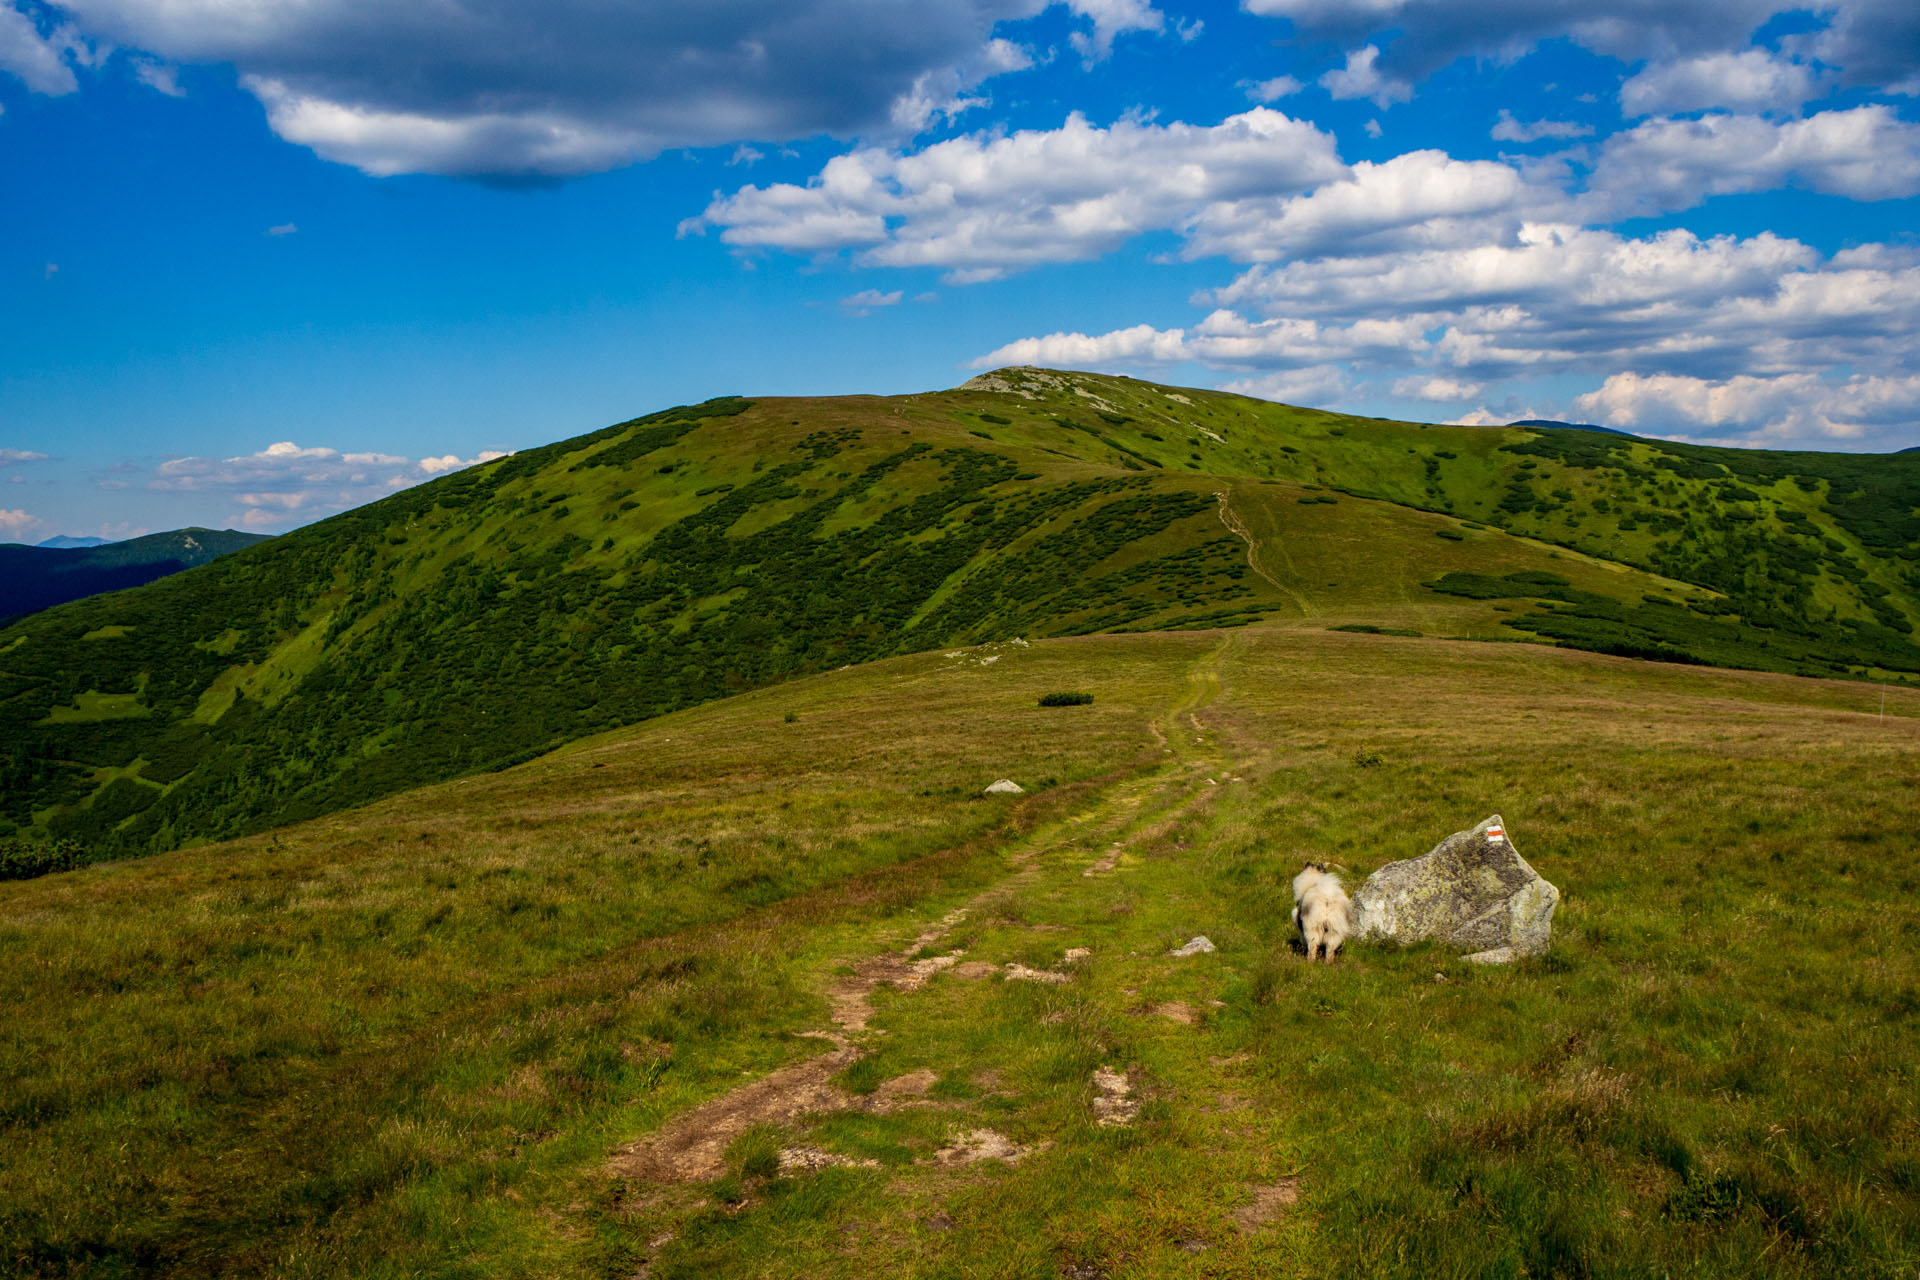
[1473, 891]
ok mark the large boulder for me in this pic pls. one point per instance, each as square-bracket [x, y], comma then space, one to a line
[1473, 891]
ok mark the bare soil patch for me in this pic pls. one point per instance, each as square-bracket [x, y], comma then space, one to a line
[1269, 1203]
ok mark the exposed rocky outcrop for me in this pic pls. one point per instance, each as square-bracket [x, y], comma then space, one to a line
[1473, 891]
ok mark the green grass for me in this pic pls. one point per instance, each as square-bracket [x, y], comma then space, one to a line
[408, 1039]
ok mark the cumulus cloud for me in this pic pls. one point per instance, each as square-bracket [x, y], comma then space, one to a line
[1420, 198]
[1867, 153]
[1362, 78]
[15, 524]
[1790, 408]
[1141, 344]
[1507, 129]
[1750, 80]
[982, 206]
[560, 87]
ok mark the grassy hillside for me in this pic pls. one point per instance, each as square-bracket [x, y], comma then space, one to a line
[469, 1030]
[682, 557]
[35, 578]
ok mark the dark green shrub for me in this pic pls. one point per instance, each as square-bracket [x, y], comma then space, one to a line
[1065, 699]
[26, 860]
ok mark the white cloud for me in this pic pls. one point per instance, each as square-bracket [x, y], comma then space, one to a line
[867, 299]
[283, 229]
[1361, 78]
[158, 76]
[1867, 153]
[1414, 200]
[1446, 390]
[1373, 129]
[1142, 344]
[1275, 89]
[38, 60]
[453, 462]
[1507, 129]
[287, 483]
[1420, 198]
[561, 87]
[1112, 18]
[1788, 409]
[1319, 385]
[1750, 80]
[8, 457]
[15, 523]
[983, 206]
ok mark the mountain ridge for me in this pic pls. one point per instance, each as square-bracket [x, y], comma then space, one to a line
[662, 562]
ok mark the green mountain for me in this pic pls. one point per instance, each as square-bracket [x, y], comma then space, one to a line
[684, 556]
[59, 570]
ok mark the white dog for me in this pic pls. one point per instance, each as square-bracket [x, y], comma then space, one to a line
[1321, 911]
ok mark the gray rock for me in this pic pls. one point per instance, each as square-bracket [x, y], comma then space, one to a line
[1473, 891]
[1006, 787]
[1499, 955]
[1195, 947]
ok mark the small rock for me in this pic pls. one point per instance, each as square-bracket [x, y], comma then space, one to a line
[813, 1159]
[1499, 955]
[1076, 954]
[1113, 1108]
[1006, 787]
[976, 1145]
[1472, 891]
[1195, 947]
[1020, 973]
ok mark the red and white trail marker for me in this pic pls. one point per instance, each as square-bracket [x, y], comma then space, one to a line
[1495, 833]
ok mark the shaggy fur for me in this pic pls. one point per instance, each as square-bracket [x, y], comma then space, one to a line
[1321, 910]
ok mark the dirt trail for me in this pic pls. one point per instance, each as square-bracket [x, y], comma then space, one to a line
[1238, 528]
[692, 1146]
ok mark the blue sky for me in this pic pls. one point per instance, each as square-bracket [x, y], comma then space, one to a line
[261, 262]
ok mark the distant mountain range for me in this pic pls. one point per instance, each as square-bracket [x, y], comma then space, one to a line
[62, 569]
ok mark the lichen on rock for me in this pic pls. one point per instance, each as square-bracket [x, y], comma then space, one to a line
[1472, 891]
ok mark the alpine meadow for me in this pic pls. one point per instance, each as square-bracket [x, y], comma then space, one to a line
[583, 864]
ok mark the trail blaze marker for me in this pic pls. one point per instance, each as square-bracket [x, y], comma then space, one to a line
[1495, 833]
